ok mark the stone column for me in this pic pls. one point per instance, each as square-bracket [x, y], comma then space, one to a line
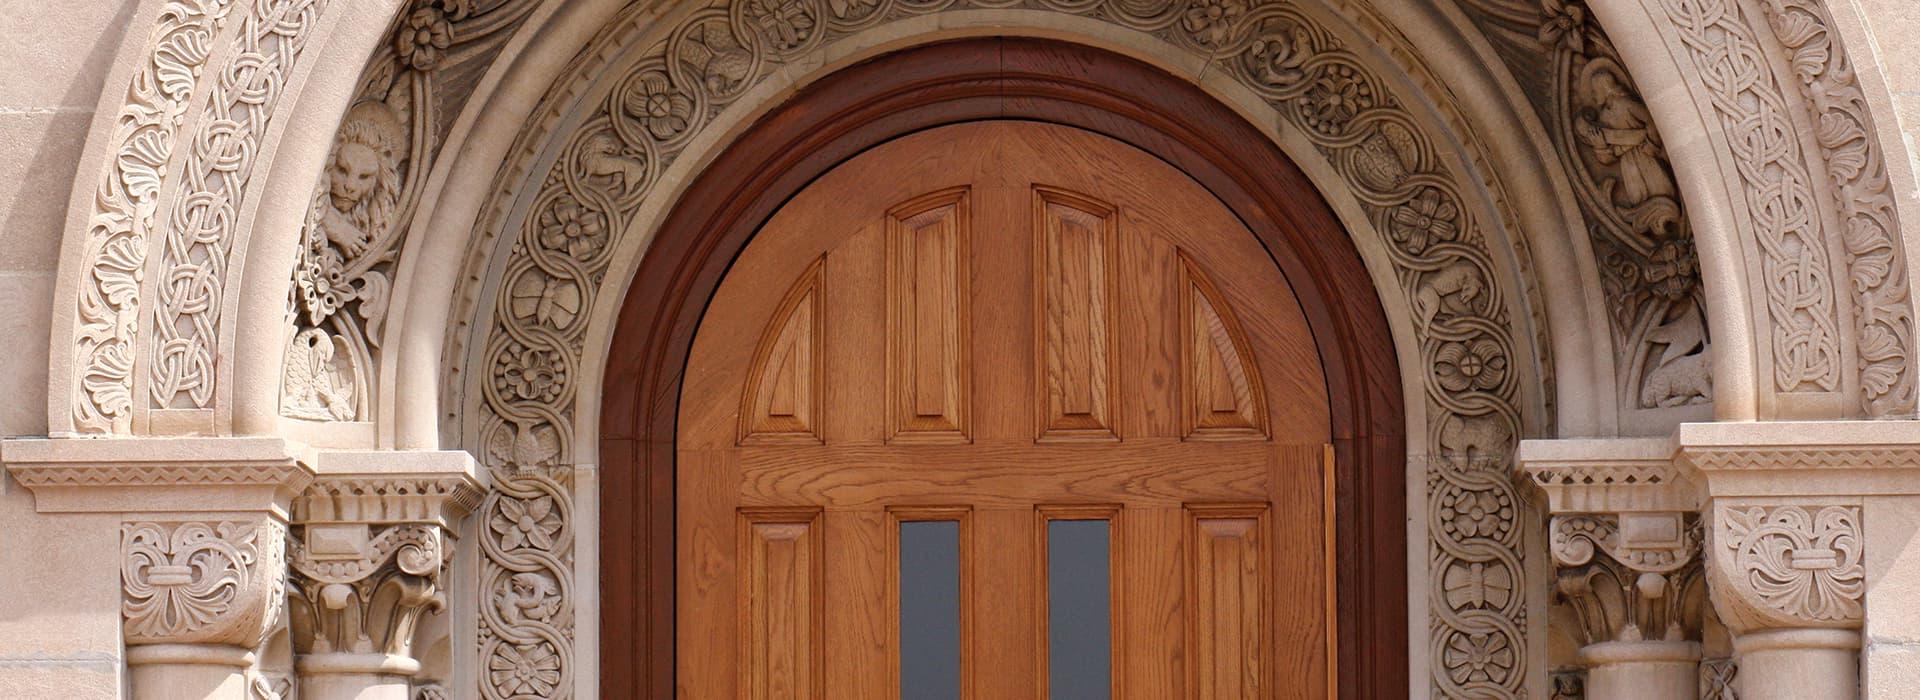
[1792, 509]
[372, 538]
[202, 548]
[1625, 540]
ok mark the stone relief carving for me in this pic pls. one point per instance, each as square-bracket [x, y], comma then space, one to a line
[1783, 208]
[368, 191]
[125, 201]
[1622, 177]
[370, 558]
[1788, 566]
[205, 218]
[1716, 679]
[1857, 181]
[1630, 577]
[362, 592]
[715, 52]
[202, 582]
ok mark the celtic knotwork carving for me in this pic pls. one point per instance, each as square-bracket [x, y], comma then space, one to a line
[368, 192]
[1780, 194]
[204, 221]
[562, 243]
[125, 201]
[1788, 566]
[1883, 319]
[202, 583]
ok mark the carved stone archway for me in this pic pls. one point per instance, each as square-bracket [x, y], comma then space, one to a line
[922, 88]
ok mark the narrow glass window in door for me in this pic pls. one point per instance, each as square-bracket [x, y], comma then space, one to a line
[1079, 619]
[929, 590]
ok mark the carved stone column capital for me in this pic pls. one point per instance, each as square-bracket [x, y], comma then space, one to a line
[202, 582]
[372, 539]
[203, 545]
[1625, 539]
[1787, 566]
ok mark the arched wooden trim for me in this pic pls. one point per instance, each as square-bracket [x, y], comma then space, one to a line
[854, 109]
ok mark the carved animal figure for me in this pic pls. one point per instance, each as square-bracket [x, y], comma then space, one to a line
[1458, 282]
[318, 383]
[602, 156]
[1682, 375]
[1467, 438]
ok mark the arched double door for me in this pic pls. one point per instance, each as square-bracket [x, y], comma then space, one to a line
[1003, 408]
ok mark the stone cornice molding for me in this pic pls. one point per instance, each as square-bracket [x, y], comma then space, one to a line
[1787, 542]
[145, 475]
[373, 523]
[1803, 459]
[384, 488]
[1616, 475]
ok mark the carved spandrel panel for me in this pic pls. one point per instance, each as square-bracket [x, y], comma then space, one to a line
[1074, 254]
[785, 397]
[928, 357]
[1221, 397]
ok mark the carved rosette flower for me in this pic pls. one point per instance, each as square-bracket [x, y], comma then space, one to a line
[530, 375]
[1563, 22]
[1788, 566]
[568, 225]
[522, 523]
[1672, 271]
[1335, 98]
[524, 670]
[1478, 365]
[1477, 514]
[423, 37]
[1430, 217]
[200, 582]
[1479, 658]
[666, 112]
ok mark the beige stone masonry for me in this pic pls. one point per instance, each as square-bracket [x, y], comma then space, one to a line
[203, 535]
[1808, 525]
[372, 542]
[1625, 541]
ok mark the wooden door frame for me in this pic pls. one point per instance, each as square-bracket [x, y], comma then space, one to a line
[854, 109]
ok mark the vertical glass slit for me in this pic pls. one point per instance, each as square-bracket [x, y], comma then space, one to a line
[1079, 624]
[930, 610]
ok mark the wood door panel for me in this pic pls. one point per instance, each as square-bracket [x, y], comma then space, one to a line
[1000, 323]
[1074, 251]
[929, 327]
[782, 601]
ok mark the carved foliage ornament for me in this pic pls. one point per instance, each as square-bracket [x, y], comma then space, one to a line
[125, 201]
[1857, 177]
[366, 593]
[562, 247]
[1788, 566]
[1783, 198]
[202, 583]
[1629, 577]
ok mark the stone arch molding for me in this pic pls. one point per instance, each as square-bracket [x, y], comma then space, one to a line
[175, 184]
[592, 184]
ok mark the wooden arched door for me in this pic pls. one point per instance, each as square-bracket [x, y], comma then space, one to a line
[1047, 340]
